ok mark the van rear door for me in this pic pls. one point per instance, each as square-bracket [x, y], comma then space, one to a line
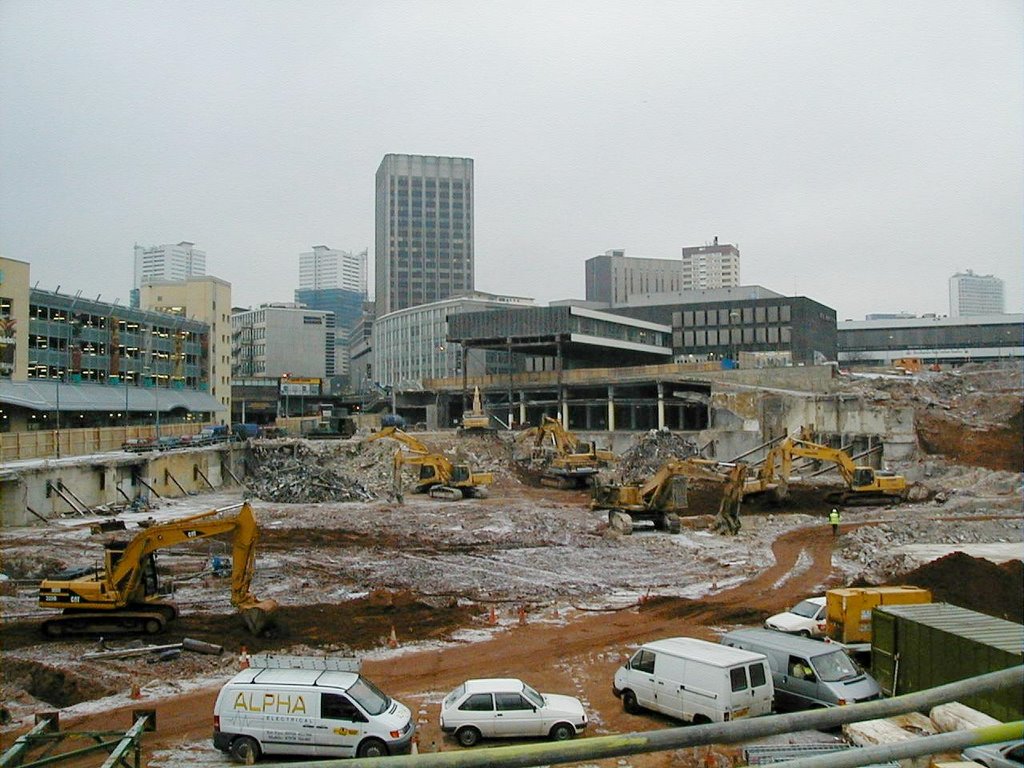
[750, 685]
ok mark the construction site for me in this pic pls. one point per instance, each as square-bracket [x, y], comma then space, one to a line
[442, 556]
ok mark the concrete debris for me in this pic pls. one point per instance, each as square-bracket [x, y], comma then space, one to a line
[293, 473]
[649, 452]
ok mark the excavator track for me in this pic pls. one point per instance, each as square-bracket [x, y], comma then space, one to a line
[143, 621]
[445, 493]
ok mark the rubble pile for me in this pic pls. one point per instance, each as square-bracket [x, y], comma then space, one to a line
[649, 452]
[295, 472]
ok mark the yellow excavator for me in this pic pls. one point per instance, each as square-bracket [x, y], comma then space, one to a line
[863, 484]
[564, 459]
[477, 419]
[663, 497]
[439, 477]
[123, 596]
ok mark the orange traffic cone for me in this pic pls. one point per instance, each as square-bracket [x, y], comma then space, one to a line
[493, 618]
[522, 615]
[243, 658]
[415, 744]
[136, 692]
[393, 640]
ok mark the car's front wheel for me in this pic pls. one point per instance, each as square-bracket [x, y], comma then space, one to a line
[629, 702]
[562, 732]
[467, 736]
[372, 748]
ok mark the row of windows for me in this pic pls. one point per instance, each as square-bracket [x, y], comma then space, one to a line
[732, 337]
[772, 313]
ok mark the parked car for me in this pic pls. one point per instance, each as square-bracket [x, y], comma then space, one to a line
[506, 707]
[806, 618]
[1002, 754]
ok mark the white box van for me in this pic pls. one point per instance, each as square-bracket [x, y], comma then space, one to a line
[807, 673]
[696, 681]
[304, 705]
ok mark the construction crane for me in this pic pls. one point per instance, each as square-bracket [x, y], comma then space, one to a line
[863, 484]
[565, 460]
[663, 497]
[439, 477]
[123, 596]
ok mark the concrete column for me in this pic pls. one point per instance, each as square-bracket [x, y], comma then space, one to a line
[522, 407]
[661, 405]
[611, 409]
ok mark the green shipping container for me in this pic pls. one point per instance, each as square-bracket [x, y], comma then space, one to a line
[915, 647]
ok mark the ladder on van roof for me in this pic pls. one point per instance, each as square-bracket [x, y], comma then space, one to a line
[320, 663]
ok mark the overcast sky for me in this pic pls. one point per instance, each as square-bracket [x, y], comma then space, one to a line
[858, 153]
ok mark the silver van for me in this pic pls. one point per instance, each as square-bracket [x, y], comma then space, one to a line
[807, 673]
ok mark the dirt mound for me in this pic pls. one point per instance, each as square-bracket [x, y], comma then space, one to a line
[973, 583]
[57, 687]
[997, 447]
[358, 624]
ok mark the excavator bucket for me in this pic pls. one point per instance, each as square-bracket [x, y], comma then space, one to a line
[257, 615]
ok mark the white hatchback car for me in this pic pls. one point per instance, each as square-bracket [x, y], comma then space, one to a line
[806, 618]
[506, 707]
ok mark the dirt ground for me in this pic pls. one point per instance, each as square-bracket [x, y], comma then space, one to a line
[528, 583]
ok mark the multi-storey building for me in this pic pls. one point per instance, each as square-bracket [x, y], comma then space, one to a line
[410, 345]
[207, 300]
[324, 268]
[166, 262]
[334, 281]
[971, 294]
[278, 340]
[424, 230]
[710, 266]
[614, 278]
[76, 362]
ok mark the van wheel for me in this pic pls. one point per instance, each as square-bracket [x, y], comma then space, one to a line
[245, 749]
[562, 732]
[629, 703]
[372, 748]
[805, 633]
[701, 719]
[467, 737]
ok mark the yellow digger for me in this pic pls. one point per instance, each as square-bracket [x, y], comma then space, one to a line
[439, 477]
[123, 596]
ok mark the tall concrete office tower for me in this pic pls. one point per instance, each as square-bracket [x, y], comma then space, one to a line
[424, 231]
[711, 266]
[971, 294]
[166, 262]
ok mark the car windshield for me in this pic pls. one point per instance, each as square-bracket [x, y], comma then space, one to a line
[535, 698]
[369, 697]
[807, 609]
[834, 666]
[454, 696]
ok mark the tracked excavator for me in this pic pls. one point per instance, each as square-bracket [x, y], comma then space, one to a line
[439, 477]
[661, 498]
[122, 596]
[477, 419]
[865, 485]
[565, 461]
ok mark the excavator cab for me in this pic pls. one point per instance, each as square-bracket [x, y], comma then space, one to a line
[460, 474]
[863, 477]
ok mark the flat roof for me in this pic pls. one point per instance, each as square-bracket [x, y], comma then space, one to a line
[44, 395]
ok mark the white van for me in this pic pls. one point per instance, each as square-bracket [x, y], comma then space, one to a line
[305, 705]
[696, 681]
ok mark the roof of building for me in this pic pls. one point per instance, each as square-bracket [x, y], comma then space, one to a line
[45, 396]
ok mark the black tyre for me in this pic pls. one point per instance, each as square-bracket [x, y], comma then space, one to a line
[562, 732]
[245, 749]
[372, 748]
[805, 633]
[468, 736]
[701, 719]
[629, 702]
[152, 626]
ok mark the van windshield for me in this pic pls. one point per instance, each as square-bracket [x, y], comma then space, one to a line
[806, 609]
[835, 666]
[369, 697]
